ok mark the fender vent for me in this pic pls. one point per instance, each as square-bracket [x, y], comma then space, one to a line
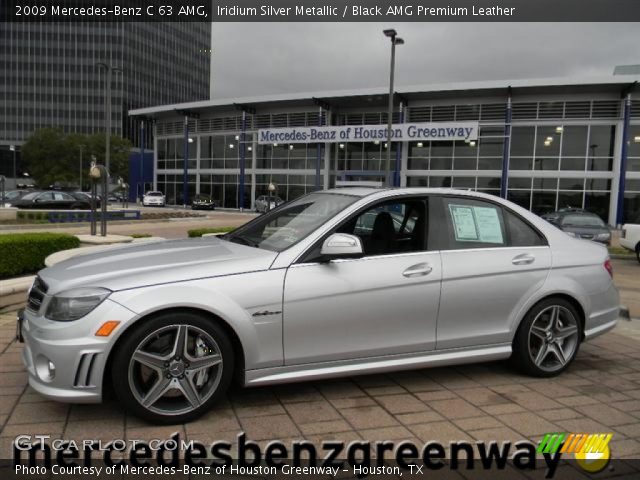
[84, 372]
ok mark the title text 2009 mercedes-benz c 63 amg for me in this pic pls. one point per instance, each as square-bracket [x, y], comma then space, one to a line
[339, 282]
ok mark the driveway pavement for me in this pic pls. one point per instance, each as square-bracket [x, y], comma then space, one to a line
[599, 393]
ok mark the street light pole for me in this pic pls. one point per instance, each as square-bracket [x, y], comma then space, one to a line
[107, 110]
[395, 40]
[13, 148]
[81, 146]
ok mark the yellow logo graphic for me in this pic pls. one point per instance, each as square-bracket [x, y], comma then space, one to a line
[591, 450]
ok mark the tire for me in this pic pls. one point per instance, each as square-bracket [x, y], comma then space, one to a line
[548, 338]
[156, 382]
[638, 252]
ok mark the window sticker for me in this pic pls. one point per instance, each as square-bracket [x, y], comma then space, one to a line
[464, 224]
[488, 224]
[476, 224]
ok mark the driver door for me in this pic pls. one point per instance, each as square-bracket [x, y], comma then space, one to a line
[384, 303]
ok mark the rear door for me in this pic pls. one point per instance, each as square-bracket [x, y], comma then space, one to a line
[492, 262]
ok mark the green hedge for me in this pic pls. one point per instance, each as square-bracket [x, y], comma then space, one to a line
[25, 252]
[198, 232]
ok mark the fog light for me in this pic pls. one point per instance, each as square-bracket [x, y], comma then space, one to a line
[45, 368]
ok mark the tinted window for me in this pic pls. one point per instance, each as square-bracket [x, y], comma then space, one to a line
[473, 224]
[521, 234]
[390, 227]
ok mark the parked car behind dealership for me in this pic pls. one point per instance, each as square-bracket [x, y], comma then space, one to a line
[580, 224]
[630, 237]
[52, 200]
[313, 290]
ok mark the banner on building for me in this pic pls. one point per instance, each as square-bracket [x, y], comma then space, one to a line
[401, 132]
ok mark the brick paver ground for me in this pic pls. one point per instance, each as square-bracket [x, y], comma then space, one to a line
[599, 393]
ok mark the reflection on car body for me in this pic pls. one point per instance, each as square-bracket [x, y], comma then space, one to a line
[340, 282]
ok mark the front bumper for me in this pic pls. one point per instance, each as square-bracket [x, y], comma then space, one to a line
[77, 356]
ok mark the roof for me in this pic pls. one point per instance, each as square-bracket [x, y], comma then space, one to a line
[411, 92]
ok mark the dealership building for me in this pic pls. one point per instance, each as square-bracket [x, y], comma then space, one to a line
[544, 144]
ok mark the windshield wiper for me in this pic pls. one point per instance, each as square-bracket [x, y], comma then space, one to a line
[243, 241]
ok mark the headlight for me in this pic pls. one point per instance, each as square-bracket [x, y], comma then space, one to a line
[572, 234]
[74, 304]
[603, 236]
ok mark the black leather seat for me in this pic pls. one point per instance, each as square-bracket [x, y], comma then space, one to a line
[383, 235]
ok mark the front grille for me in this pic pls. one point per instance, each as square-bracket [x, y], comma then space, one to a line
[587, 236]
[36, 295]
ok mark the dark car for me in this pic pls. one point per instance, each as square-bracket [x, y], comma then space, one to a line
[202, 202]
[13, 195]
[52, 200]
[580, 224]
[85, 197]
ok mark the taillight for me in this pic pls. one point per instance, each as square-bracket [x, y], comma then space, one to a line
[608, 267]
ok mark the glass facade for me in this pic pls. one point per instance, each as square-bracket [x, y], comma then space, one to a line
[560, 154]
[562, 165]
[49, 77]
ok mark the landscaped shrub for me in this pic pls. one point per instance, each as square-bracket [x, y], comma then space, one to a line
[25, 252]
[198, 232]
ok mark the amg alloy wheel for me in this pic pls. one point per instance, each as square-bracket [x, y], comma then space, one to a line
[548, 339]
[176, 366]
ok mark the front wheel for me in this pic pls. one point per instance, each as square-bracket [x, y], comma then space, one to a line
[638, 252]
[173, 368]
[548, 338]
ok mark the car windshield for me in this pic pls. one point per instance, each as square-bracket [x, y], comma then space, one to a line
[582, 221]
[31, 196]
[154, 194]
[288, 224]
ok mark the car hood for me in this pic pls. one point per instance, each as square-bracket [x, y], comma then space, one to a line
[132, 266]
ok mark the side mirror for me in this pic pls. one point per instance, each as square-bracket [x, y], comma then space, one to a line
[341, 245]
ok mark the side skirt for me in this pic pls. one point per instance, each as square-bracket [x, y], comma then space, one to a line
[358, 366]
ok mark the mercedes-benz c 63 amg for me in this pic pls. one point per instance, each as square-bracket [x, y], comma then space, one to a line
[339, 282]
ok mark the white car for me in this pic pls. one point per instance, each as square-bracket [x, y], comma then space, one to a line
[153, 199]
[630, 238]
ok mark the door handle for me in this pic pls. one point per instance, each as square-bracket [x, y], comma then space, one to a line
[417, 270]
[524, 259]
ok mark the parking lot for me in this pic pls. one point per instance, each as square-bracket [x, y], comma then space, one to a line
[599, 393]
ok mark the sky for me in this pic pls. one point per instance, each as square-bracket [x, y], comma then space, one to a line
[271, 58]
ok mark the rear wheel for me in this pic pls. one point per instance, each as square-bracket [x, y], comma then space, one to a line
[638, 252]
[548, 338]
[173, 368]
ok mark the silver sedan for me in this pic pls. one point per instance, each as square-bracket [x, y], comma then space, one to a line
[341, 282]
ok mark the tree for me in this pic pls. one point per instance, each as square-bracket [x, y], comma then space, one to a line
[52, 156]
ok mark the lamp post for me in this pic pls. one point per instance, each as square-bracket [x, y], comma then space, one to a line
[13, 148]
[272, 188]
[107, 109]
[81, 147]
[395, 40]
